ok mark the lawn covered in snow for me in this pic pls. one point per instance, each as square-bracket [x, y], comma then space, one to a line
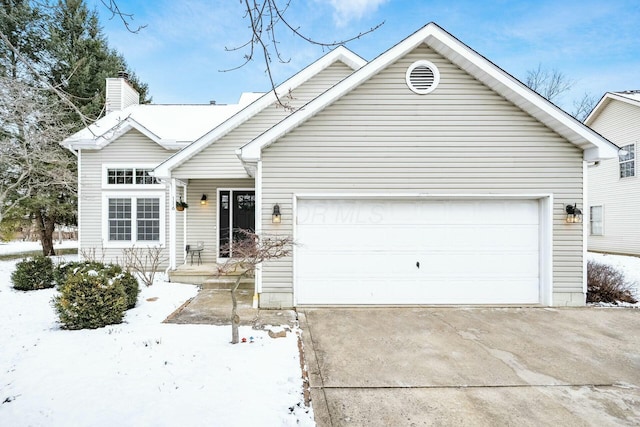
[628, 265]
[141, 372]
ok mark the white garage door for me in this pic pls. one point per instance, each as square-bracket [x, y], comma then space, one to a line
[417, 252]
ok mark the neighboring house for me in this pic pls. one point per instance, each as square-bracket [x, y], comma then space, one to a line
[613, 184]
[426, 176]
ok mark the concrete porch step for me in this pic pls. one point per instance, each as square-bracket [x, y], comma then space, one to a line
[208, 277]
[227, 282]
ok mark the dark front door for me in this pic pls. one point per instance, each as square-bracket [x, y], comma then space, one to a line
[237, 213]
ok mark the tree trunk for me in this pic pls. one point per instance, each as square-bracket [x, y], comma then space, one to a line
[46, 226]
[235, 319]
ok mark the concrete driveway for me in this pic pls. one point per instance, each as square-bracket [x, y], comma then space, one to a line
[473, 366]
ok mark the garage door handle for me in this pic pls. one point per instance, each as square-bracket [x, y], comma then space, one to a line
[418, 264]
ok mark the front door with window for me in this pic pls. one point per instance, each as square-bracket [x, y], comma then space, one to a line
[237, 212]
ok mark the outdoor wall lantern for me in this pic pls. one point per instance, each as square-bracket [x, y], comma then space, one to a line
[276, 216]
[203, 199]
[574, 215]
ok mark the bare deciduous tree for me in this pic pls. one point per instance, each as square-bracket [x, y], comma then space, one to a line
[266, 21]
[548, 83]
[249, 251]
[551, 84]
[583, 106]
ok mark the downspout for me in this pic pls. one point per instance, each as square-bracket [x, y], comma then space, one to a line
[184, 224]
[172, 224]
[258, 225]
[586, 212]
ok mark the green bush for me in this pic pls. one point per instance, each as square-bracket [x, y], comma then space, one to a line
[111, 271]
[74, 267]
[33, 273]
[89, 300]
[131, 288]
[608, 285]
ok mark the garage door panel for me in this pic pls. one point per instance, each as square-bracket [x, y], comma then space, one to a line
[389, 212]
[376, 292]
[375, 263]
[399, 237]
[366, 251]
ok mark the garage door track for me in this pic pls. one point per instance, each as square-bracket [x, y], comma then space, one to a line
[473, 366]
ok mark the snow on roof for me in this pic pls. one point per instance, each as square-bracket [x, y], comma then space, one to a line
[169, 125]
[631, 94]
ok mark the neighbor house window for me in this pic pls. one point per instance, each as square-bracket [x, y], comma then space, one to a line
[129, 176]
[628, 161]
[595, 220]
[131, 219]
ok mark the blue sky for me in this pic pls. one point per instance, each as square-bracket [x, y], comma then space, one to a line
[182, 50]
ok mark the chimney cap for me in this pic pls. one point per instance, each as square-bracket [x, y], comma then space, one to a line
[123, 75]
[212, 102]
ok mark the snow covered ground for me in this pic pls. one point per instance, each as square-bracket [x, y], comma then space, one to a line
[141, 372]
[21, 247]
[628, 265]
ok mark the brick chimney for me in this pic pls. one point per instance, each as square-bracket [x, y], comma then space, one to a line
[120, 93]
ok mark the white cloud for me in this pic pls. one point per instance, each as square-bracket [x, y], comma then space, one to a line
[349, 10]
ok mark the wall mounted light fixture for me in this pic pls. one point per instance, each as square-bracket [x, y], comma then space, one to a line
[574, 215]
[276, 217]
[203, 199]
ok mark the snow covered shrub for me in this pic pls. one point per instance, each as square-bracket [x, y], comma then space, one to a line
[33, 273]
[606, 284]
[63, 270]
[89, 300]
[112, 271]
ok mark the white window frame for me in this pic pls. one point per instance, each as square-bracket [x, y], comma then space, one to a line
[134, 225]
[591, 233]
[621, 162]
[134, 166]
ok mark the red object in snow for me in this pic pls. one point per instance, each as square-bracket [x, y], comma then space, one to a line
[244, 340]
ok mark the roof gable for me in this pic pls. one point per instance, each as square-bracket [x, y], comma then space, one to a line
[340, 53]
[593, 145]
[628, 97]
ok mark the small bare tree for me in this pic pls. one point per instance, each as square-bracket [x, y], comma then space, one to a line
[144, 263]
[247, 252]
[548, 83]
[582, 107]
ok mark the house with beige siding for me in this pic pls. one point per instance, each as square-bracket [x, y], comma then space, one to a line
[614, 185]
[428, 175]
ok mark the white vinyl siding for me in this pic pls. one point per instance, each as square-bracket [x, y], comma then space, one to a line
[620, 123]
[462, 138]
[93, 197]
[219, 160]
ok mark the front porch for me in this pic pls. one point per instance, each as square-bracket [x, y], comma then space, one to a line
[208, 277]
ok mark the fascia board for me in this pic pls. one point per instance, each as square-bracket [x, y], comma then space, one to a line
[552, 116]
[597, 109]
[340, 53]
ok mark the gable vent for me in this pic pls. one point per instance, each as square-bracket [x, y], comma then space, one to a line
[422, 77]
